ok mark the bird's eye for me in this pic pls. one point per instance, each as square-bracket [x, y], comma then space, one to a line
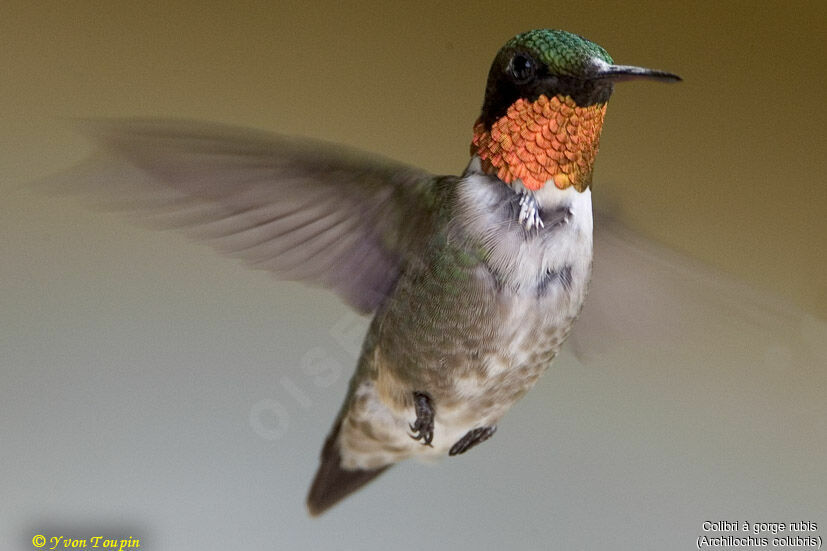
[522, 68]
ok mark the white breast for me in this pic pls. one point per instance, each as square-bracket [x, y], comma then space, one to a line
[524, 261]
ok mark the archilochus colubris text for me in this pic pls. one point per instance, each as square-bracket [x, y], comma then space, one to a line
[474, 281]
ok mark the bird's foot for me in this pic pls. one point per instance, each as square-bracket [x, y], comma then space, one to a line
[472, 438]
[423, 427]
[529, 217]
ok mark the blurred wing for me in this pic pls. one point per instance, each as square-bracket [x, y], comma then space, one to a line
[304, 210]
[647, 301]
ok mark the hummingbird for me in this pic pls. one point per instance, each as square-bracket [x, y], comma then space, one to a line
[473, 281]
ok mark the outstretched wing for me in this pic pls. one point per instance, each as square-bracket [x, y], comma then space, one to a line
[647, 301]
[302, 209]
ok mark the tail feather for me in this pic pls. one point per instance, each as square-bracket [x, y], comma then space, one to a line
[333, 483]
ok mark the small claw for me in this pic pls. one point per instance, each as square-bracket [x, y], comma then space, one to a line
[424, 424]
[472, 438]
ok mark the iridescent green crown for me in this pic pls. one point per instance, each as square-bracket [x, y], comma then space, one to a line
[564, 53]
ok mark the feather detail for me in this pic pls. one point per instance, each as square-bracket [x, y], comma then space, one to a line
[301, 209]
[520, 144]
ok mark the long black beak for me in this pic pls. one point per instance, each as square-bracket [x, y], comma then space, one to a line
[620, 73]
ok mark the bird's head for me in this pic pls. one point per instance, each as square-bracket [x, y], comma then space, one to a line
[544, 106]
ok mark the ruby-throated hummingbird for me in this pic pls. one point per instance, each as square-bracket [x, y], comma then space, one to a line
[474, 281]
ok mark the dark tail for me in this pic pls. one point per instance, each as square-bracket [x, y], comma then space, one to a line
[332, 482]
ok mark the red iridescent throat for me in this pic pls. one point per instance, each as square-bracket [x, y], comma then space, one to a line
[548, 139]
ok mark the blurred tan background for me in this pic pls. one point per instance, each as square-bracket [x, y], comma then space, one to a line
[132, 363]
[728, 166]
